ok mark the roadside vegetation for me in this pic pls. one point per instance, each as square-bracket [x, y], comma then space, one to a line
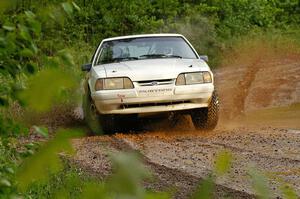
[42, 45]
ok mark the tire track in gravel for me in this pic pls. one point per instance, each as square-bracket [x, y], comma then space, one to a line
[195, 154]
[185, 183]
[92, 156]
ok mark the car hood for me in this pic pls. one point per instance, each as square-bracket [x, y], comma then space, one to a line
[152, 69]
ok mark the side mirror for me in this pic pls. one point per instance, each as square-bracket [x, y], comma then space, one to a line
[204, 58]
[86, 67]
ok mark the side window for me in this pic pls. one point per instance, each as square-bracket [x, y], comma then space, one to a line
[105, 55]
[102, 54]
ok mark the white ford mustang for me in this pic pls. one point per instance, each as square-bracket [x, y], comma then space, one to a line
[134, 75]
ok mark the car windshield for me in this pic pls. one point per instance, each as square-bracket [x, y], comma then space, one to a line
[144, 48]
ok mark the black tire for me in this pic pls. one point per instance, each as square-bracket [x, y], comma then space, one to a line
[97, 123]
[128, 123]
[207, 118]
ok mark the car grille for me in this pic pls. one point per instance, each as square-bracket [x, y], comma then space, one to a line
[156, 82]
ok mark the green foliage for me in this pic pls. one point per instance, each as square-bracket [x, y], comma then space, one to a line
[223, 163]
[206, 189]
[7, 167]
[47, 88]
[259, 184]
[288, 192]
[93, 190]
[126, 181]
[46, 161]
[9, 127]
[10, 157]
[22, 46]
[71, 183]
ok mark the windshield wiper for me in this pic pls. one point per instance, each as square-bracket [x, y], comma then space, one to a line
[159, 56]
[175, 56]
[124, 58]
[153, 55]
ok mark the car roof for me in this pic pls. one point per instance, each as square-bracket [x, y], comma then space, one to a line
[143, 35]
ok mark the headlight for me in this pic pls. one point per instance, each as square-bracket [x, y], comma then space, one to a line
[194, 78]
[113, 83]
[207, 77]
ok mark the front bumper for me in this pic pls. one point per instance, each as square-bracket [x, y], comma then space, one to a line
[151, 99]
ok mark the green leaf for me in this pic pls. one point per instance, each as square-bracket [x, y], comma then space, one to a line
[158, 195]
[2, 41]
[206, 189]
[259, 184]
[35, 26]
[288, 192]
[41, 130]
[46, 88]
[46, 161]
[26, 53]
[30, 152]
[126, 181]
[29, 14]
[223, 162]
[68, 8]
[10, 170]
[94, 190]
[5, 183]
[29, 145]
[8, 28]
[24, 33]
[76, 6]
[34, 48]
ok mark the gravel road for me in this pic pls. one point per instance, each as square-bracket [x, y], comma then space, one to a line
[180, 157]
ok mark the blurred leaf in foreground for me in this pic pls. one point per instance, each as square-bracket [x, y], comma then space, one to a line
[222, 166]
[126, 181]
[128, 175]
[288, 192]
[94, 190]
[223, 162]
[206, 189]
[158, 195]
[46, 161]
[259, 184]
[6, 4]
[47, 88]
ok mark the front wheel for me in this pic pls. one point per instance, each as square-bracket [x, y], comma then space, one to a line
[207, 118]
[97, 123]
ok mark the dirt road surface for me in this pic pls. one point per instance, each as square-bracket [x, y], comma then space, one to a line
[260, 125]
